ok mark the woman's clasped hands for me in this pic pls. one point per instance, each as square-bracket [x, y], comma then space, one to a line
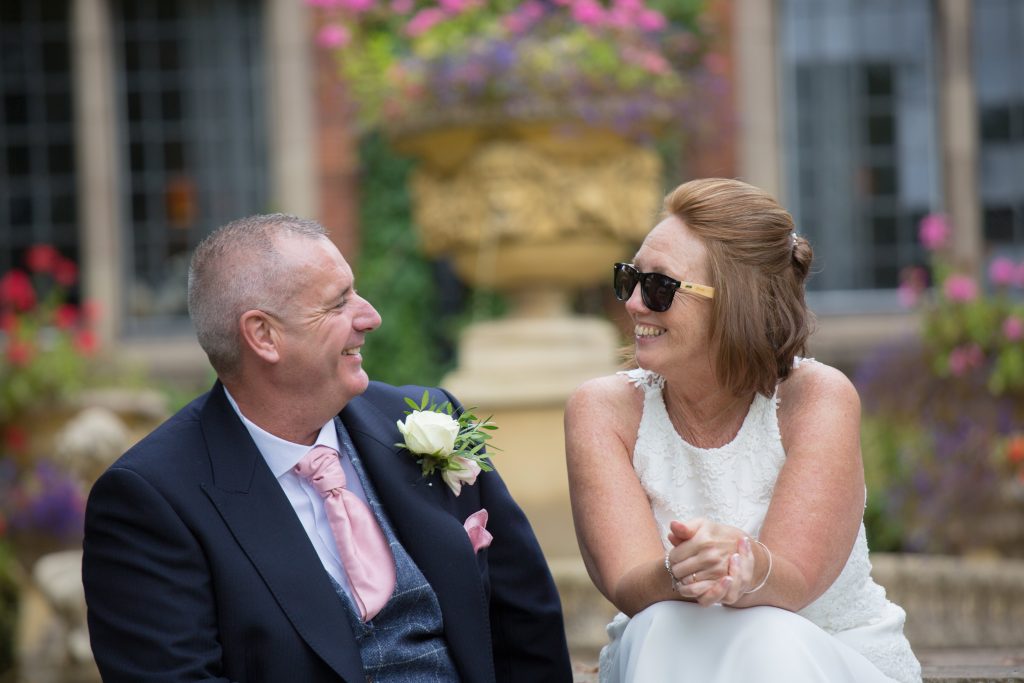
[711, 563]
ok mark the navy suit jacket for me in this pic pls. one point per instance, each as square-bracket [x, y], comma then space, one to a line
[196, 567]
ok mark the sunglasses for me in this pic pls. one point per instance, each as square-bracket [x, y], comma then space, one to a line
[656, 290]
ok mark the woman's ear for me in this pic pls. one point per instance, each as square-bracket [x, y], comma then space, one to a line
[260, 335]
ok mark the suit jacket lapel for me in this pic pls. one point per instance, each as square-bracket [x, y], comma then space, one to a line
[422, 515]
[263, 522]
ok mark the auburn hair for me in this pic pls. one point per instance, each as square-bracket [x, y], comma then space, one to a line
[758, 266]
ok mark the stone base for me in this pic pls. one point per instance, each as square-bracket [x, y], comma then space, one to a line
[534, 362]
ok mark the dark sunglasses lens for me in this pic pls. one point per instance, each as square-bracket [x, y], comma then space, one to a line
[657, 291]
[624, 282]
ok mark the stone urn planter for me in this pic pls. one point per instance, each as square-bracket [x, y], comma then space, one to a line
[536, 209]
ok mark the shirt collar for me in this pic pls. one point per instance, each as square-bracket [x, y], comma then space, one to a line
[281, 455]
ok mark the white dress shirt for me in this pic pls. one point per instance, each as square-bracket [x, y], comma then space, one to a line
[282, 457]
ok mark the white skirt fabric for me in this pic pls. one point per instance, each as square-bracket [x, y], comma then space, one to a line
[680, 642]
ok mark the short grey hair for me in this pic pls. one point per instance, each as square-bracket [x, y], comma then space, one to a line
[238, 268]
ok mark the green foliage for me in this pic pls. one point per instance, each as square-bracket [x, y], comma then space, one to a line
[884, 447]
[395, 277]
[413, 344]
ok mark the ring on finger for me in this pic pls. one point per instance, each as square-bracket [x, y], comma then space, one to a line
[693, 577]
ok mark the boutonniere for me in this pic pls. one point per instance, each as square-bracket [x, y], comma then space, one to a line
[441, 440]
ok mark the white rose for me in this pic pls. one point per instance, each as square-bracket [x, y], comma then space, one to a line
[429, 433]
[467, 475]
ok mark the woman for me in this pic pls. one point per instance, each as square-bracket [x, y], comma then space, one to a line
[718, 489]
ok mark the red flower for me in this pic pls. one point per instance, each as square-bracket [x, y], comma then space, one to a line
[20, 352]
[16, 439]
[1015, 450]
[42, 258]
[86, 342]
[65, 317]
[65, 272]
[16, 290]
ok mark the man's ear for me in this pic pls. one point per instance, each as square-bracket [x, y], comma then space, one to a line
[260, 335]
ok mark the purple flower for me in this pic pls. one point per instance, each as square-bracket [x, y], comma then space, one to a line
[49, 502]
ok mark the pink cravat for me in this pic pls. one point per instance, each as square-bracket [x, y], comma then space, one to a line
[364, 550]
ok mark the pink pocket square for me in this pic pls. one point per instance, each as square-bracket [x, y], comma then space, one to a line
[476, 527]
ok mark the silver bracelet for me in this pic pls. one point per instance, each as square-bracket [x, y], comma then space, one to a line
[767, 574]
[668, 568]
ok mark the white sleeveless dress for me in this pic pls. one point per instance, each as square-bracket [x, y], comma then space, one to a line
[852, 633]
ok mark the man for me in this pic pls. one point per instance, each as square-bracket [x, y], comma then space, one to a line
[211, 553]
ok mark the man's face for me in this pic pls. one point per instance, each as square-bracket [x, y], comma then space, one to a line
[324, 325]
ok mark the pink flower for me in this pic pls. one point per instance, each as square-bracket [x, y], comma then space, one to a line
[357, 6]
[401, 6]
[333, 35]
[960, 288]
[1013, 328]
[1019, 275]
[588, 12]
[964, 358]
[630, 6]
[1002, 272]
[466, 475]
[423, 21]
[617, 18]
[454, 7]
[913, 280]
[933, 231]
[651, 20]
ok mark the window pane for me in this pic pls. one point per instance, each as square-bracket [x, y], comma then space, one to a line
[999, 77]
[37, 155]
[194, 154]
[859, 126]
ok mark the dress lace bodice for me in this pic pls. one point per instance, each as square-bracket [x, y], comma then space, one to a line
[733, 485]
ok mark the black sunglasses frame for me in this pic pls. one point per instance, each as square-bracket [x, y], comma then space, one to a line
[656, 289]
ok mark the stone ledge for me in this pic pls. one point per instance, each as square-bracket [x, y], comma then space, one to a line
[955, 602]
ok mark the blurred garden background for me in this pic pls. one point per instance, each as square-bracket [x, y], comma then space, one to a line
[481, 163]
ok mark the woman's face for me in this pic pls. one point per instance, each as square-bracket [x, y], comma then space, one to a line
[679, 337]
